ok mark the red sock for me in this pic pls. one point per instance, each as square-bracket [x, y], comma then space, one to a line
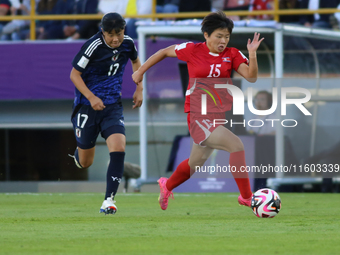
[237, 159]
[181, 174]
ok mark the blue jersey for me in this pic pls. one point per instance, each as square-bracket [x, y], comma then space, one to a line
[102, 68]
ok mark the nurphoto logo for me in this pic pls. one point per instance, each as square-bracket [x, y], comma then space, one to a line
[213, 98]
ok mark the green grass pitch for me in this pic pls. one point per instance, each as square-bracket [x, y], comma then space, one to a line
[70, 223]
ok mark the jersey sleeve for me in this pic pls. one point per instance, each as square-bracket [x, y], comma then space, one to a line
[85, 54]
[134, 53]
[184, 50]
[238, 58]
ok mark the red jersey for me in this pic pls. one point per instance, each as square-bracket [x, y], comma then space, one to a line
[204, 64]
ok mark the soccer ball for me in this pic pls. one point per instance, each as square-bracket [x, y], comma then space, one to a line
[266, 203]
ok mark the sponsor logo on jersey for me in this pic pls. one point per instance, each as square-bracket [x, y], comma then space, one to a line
[226, 59]
[78, 132]
[115, 57]
[122, 121]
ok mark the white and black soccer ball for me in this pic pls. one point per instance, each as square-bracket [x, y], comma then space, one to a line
[266, 203]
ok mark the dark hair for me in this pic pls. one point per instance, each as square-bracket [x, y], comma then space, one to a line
[112, 21]
[216, 20]
[268, 95]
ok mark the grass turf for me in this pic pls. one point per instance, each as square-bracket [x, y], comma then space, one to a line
[69, 223]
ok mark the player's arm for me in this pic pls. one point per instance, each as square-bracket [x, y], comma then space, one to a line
[138, 95]
[154, 59]
[96, 102]
[249, 72]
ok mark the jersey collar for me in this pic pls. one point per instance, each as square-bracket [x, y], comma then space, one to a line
[101, 34]
[210, 53]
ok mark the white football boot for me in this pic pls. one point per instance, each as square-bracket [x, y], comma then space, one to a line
[108, 206]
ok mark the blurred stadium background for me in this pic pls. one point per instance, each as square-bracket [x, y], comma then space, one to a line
[36, 100]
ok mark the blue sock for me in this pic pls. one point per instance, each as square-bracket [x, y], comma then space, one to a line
[114, 173]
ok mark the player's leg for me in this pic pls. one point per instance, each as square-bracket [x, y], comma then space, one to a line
[86, 132]
[223, 139]
[186, 168]
[116, 145]
[83, 158]
[113, 131]
[182, 173]
[183, 170]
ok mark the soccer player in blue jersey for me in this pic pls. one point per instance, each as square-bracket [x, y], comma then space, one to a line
[97, 75]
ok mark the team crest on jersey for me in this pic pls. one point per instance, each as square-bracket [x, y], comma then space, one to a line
[78, 132]
[226, 59]
[115, 57]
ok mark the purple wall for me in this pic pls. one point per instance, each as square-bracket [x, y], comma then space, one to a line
[41, 70]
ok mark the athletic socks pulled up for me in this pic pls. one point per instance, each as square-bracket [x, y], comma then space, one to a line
[114, 173]
[181, 174]
[238, 160]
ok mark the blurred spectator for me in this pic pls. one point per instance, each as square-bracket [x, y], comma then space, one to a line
[317, 20]
[286, 5]
[5, 6]
[81, 29]
[119, 6]
[167, 6]
[194, 6]
[136, 7]
[263, 101]
[217, 5]
[262, 5]
[126, 7]
[236, 5]
[336, 21]
[17, 29]
[51, 29]
[71, 29]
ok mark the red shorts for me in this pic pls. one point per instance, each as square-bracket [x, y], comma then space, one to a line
[201, 126]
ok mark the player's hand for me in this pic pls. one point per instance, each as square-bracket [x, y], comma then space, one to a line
[137, 77]
[138, 96]
[252, 46]
[96, 103]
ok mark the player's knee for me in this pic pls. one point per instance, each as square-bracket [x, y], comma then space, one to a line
[86, 163]
[196, 164]
[237, 145]
[119, 148]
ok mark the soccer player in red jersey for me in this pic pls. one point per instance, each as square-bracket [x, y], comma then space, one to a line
[209, 60]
